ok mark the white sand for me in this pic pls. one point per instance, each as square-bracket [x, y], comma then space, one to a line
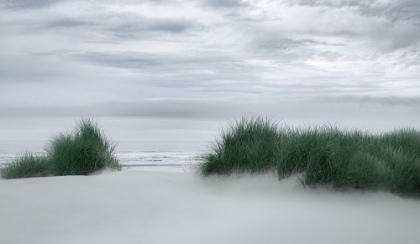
[167, 207]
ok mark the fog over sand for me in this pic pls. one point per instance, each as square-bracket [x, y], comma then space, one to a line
[168, 207]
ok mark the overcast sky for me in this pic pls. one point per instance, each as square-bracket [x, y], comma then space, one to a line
[182, 68]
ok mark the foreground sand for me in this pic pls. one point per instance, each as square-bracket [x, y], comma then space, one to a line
[165, 207]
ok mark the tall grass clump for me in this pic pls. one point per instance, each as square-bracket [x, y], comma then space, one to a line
[247, 145]
[81, 152]
[323, 155]
[26, 166]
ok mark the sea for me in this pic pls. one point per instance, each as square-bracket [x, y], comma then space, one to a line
[170, 156]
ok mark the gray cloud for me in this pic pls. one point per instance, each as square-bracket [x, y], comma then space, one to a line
[102, 26]
[123, 26]
[383, 33]
[348, 112]
[397, 37]
[394, 10]
[170, 25]
[134, 60]
[224, 3]
[162, 108]
[143, 27]
[34, 4]
[64, 23]
[23, 4]
[334, 3]
[191, 69]
[410, 58]
[208, 59]
[138, 61]
[400, 29]
[288, 50]
[288, 43]
[412, 103]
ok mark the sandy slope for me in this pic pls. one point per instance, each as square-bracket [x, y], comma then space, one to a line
[162, 207]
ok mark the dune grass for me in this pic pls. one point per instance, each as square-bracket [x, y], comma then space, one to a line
[26, 166]
[323, 155]
[246, 146]
[81, 152]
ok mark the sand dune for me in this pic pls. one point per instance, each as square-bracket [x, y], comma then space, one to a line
[173, 207]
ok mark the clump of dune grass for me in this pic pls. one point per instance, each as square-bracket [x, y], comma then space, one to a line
[80, 152]
[247, 145]
[26, 166]
[323, 155]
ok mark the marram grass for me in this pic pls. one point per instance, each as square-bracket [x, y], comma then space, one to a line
[324, 156]
[81, 152]
[26, 166]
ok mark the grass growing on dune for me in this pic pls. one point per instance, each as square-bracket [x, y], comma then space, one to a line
[324, 156]
[26, 166]
[81, 152]
[245, 146]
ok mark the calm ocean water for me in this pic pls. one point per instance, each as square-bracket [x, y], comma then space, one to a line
[133, 155]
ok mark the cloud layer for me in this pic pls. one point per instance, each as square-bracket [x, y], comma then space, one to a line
[207, 58]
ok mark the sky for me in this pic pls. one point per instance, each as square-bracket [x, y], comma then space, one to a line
[182, 69]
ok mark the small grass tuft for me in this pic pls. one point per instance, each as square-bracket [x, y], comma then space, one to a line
[26, 166]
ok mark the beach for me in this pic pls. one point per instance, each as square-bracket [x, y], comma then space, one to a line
[185, 207]
[165, 122]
